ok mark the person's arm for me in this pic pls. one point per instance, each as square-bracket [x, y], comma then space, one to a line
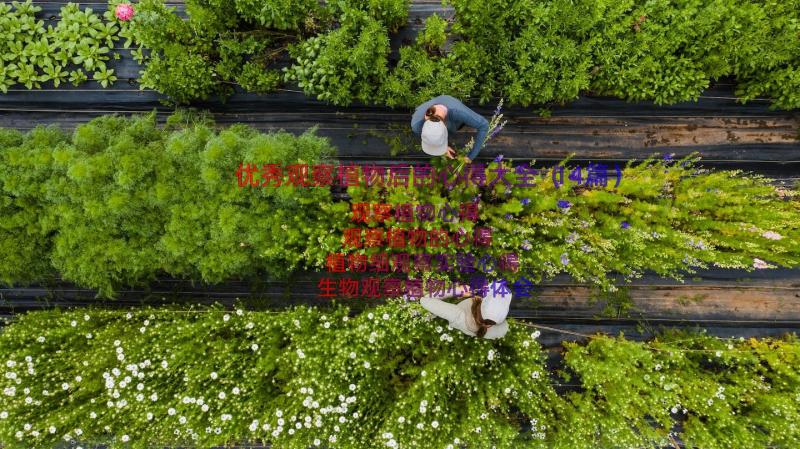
[450, 312]
[497, 331]
[472, 119]
[416, 124]
[482, 125]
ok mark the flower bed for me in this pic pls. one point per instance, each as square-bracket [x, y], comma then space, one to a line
[122, 200]
[388, 378]
[548, 51]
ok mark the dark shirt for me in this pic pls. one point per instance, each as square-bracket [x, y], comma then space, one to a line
[458, 115]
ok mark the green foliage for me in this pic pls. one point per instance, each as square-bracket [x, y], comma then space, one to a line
[124, 200]
[255, 79]
[434, 35]
[25, 160]
[345, 65]
[769, 52]
[420, 76]
[183, 77]
[721, 392]
[110, 218]
[392, 13]
[222, 44]
[219, 45]
[530, 53]
[665, 52]
[392, 377]
[277, 14]
[32, 54]
[680, 219]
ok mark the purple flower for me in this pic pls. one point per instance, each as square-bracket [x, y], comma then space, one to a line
[498, 158]
[668, 157]
[525, 201]
[564, 259]
[564, 204]
[572, 237]
[498, 108]
[476, 199]
[495, 132]
[526, 245]
[508, 216]
[625, 225]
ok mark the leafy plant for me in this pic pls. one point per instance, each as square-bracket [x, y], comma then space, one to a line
[31, 54]
[392, 376]
[344, 65]
[123, 200]
[277, 14]
[127, 193]
[392, 13]
[420, 76]
[434, 36]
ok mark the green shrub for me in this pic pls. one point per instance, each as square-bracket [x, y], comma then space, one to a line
[124, 200]
[679, 218]
[391, 377]
[420, 76]
[221, 44]
[434, 36]
[345, 65]
[392, 13]
[126, 193]
[548, 51]
[665, 52]
[229, 232]
[107, 203]
[768, 53]
[217, 46]
[26, 160]
[277, 14]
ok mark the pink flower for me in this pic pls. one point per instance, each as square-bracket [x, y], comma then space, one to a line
[760, 264]
[771, 235]
[124, 11]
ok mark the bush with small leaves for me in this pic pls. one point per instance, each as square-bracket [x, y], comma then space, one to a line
[392, 13]
[345, 65]
[434, 36]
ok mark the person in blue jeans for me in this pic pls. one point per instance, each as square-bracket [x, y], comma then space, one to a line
[439, 117]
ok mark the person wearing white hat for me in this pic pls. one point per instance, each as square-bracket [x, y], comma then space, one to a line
[475, 315]
[436, 119]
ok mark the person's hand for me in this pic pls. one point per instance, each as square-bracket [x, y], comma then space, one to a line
[450, 153]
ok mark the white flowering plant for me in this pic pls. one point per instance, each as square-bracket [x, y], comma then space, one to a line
[384, 378]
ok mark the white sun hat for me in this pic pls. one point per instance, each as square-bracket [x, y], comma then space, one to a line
[434, 138]
[494, 306]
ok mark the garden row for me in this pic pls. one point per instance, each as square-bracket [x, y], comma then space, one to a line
[392, 377]
[547, 51]
[121, 201]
